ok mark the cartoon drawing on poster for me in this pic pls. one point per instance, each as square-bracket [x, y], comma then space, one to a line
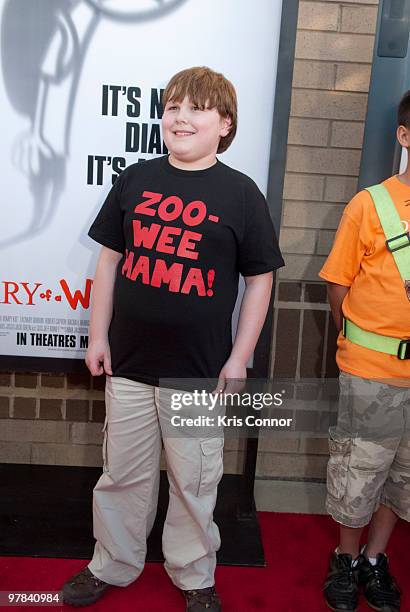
[53, 57]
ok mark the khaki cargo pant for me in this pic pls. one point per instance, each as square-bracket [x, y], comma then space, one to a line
[125, 497]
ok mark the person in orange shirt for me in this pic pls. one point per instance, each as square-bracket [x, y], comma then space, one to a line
[368, 475]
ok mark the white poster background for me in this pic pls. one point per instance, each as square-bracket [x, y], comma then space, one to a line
[235, 37]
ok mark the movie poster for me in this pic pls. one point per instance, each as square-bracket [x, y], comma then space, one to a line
[80, 92]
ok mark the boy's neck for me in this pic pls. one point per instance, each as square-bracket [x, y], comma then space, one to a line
[405, 176]
[200, 164]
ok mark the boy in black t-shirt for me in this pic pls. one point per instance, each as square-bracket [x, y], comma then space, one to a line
[176, 233]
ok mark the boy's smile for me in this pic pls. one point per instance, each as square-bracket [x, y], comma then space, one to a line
[181, 133]
[192, 133]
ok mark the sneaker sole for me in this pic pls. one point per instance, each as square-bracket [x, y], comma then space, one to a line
[79, 603]
[340, 609]
[374, 607]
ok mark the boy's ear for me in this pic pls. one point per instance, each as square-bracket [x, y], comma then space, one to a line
[403, 136]
[226, 124]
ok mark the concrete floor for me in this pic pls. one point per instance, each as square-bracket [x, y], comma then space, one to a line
[290, 496]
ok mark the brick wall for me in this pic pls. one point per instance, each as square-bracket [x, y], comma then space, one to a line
[334, 50]
[52, 419]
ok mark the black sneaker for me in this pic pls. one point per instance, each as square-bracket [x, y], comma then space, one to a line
[341, 590]
[199, 600]
[83, 588]
[379, 586]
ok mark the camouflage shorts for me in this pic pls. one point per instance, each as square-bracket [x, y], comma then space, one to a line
[369, 451]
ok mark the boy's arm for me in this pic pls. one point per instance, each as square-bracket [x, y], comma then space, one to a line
[351, 243]
[336, 294]
[98, 357]
[252, 316]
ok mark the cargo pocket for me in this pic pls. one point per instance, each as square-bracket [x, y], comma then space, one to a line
[338, 466]
[104, 446]
[211, 465]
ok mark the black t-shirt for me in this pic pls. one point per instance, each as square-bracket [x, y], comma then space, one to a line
[185, 236]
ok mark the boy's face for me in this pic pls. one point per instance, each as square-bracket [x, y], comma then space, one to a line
[192, 135]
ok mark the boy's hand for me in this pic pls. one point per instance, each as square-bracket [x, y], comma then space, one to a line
[98, 358]
[232, 377]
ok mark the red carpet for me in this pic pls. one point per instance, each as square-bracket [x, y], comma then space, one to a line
[296, 547]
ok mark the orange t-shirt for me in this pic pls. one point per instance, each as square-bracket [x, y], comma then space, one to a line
[376, 300]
